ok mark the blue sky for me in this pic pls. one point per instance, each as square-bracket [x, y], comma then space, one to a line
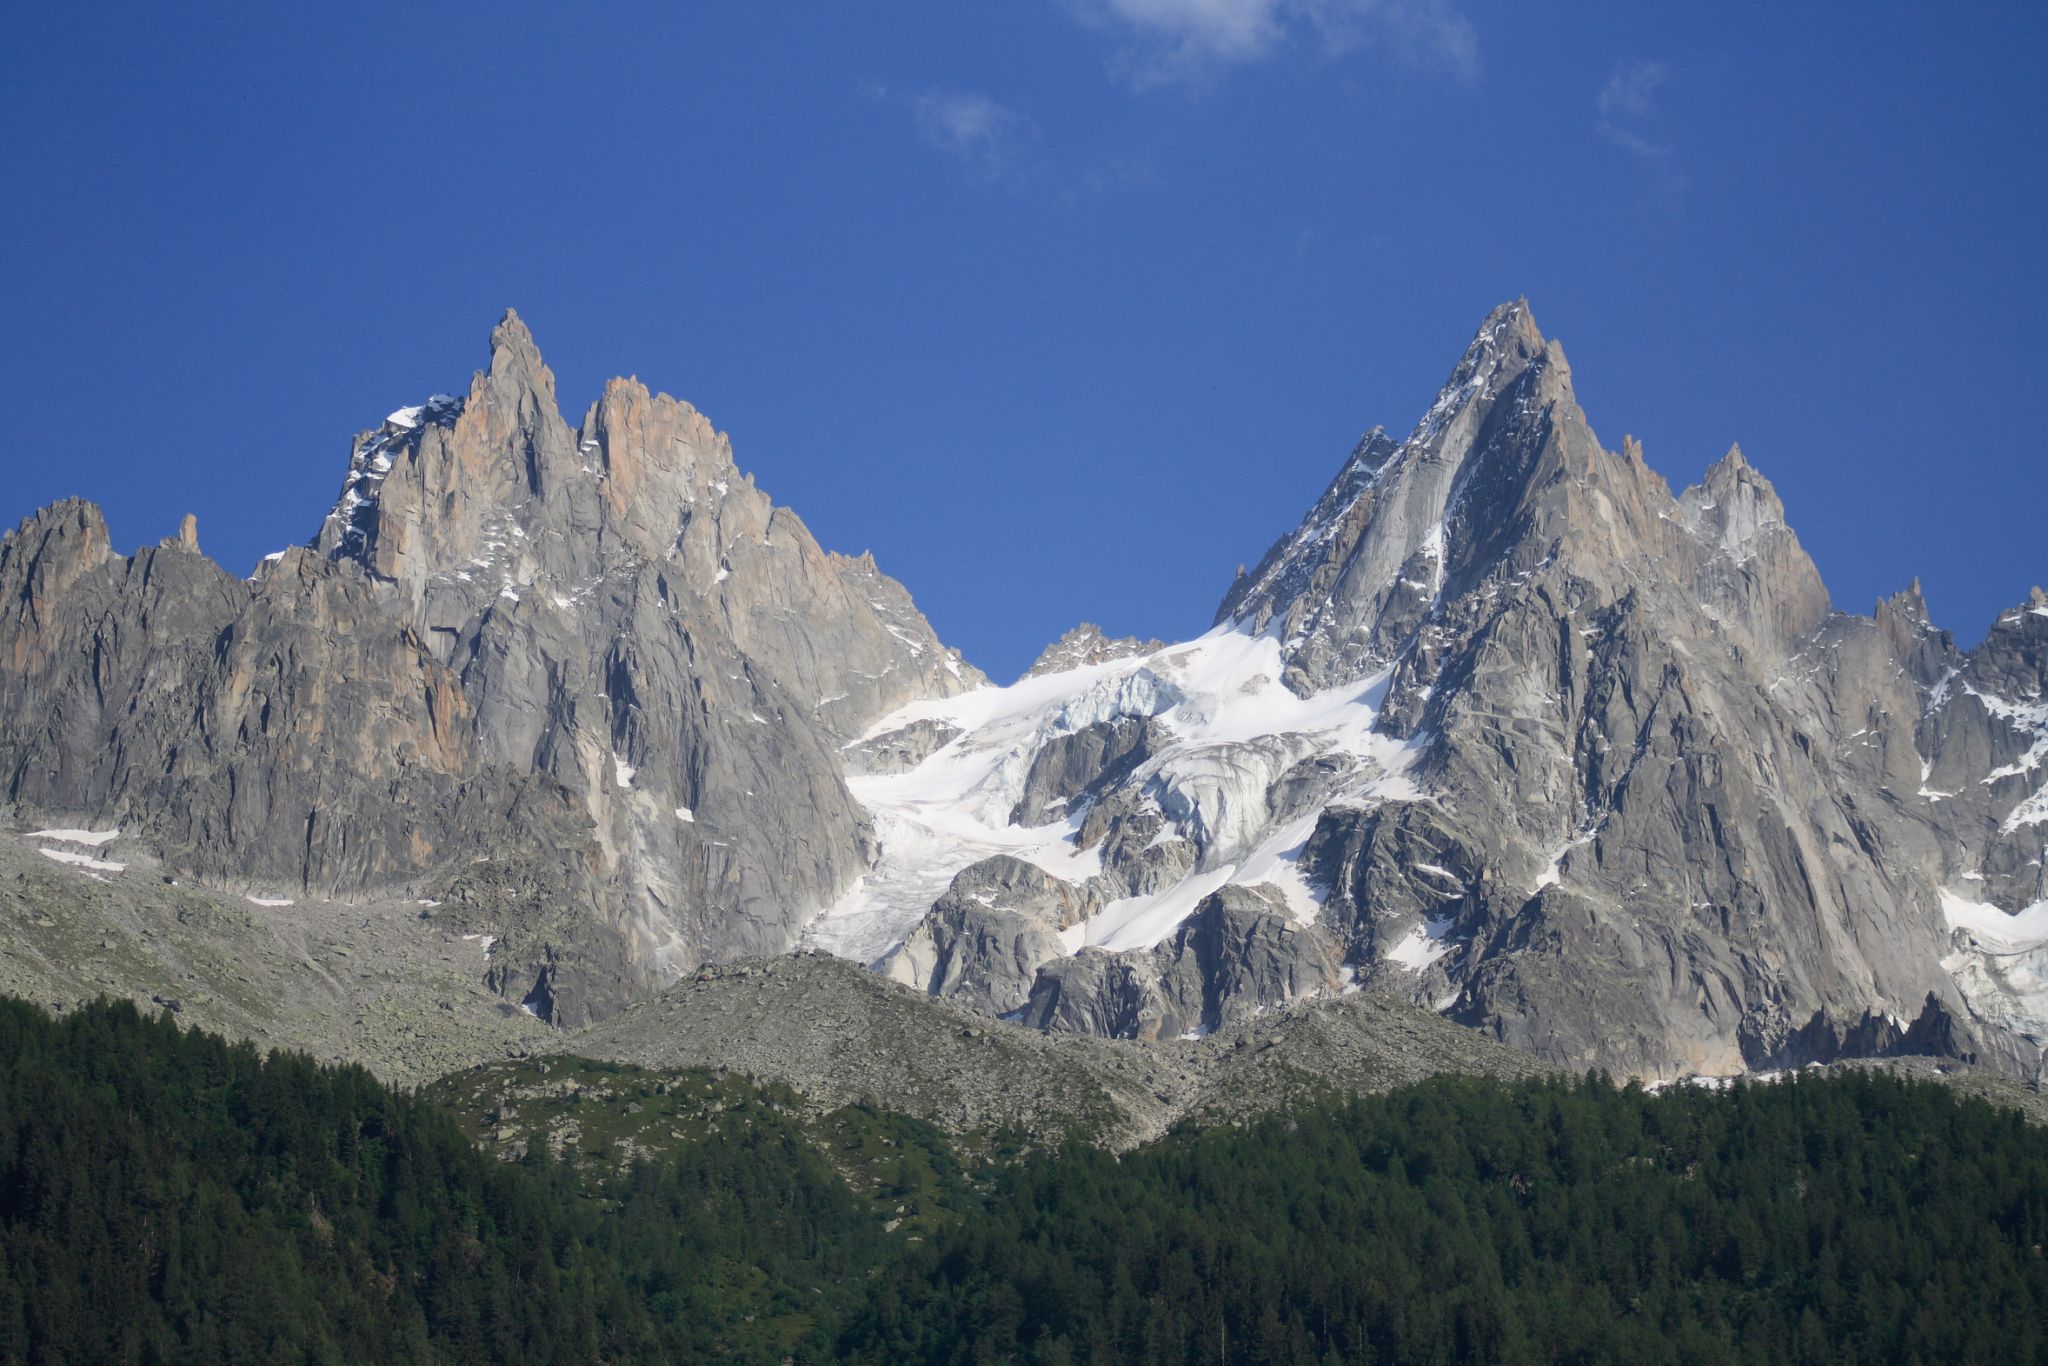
[1062, 307]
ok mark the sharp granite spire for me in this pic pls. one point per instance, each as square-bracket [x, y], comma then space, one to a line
[1505, 727]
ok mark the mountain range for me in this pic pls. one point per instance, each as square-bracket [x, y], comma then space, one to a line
[1503, 728]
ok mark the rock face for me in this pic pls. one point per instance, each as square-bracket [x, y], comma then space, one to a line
[1508, 728]
[587, 680]
[1238, 953]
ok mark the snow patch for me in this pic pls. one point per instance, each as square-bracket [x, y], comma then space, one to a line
[92, 837]
[1989, 924]
[85, 861]
[1554, 870]
[1423, 945]
[270, 902]
[1436, 871]
[1139, 922]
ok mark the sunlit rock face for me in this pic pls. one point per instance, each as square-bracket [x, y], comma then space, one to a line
[589, 679]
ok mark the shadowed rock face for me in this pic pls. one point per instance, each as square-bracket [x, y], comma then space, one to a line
[1667, 810]
[1236, 955]
[588, 677]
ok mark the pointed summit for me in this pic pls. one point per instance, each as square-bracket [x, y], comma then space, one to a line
[1510, 324]
[519, 380]
[1909, 604]
[1903, 621]
[1506, 344]
[512, 344]
[1733, 505]
[1373, 558]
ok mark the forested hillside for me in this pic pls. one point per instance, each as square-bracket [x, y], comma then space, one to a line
[1851, 1218]
[165, 1196]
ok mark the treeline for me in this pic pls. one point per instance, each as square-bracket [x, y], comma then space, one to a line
[165, 1196]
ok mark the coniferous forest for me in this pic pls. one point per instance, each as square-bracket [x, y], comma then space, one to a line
[168, 1197]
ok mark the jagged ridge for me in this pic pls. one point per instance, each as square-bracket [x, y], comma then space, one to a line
[589, 681]
[1588, 766]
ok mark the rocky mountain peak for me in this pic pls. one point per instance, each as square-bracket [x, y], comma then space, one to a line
[1506, 343]
[1086, 644]
[1733, 505]
[1505, 726]
[43, 557]
[1404, 522]
[511, 334]
[1908, 605]
[1904, 622]
[594, 667]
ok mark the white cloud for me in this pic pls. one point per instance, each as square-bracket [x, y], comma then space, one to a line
[1627, 105]
[1233, 30]
[1180, 39]
[988, 138]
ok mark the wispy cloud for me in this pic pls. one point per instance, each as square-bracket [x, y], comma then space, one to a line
[1177, 40]
[1631, 89]
[1627, 109]
[991, 140]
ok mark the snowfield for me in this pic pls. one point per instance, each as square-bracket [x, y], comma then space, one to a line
[1234, 728]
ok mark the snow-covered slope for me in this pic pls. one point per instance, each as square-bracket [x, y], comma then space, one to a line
[2000, 960]
[1221, 730]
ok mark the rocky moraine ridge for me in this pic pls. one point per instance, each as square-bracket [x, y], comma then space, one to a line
[1504, 728]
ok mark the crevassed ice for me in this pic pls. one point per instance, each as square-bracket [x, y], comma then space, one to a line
[2000, 961]
[1235, 728]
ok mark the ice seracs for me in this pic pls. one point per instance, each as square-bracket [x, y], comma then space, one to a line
[1221, 730]
[2000, 961]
